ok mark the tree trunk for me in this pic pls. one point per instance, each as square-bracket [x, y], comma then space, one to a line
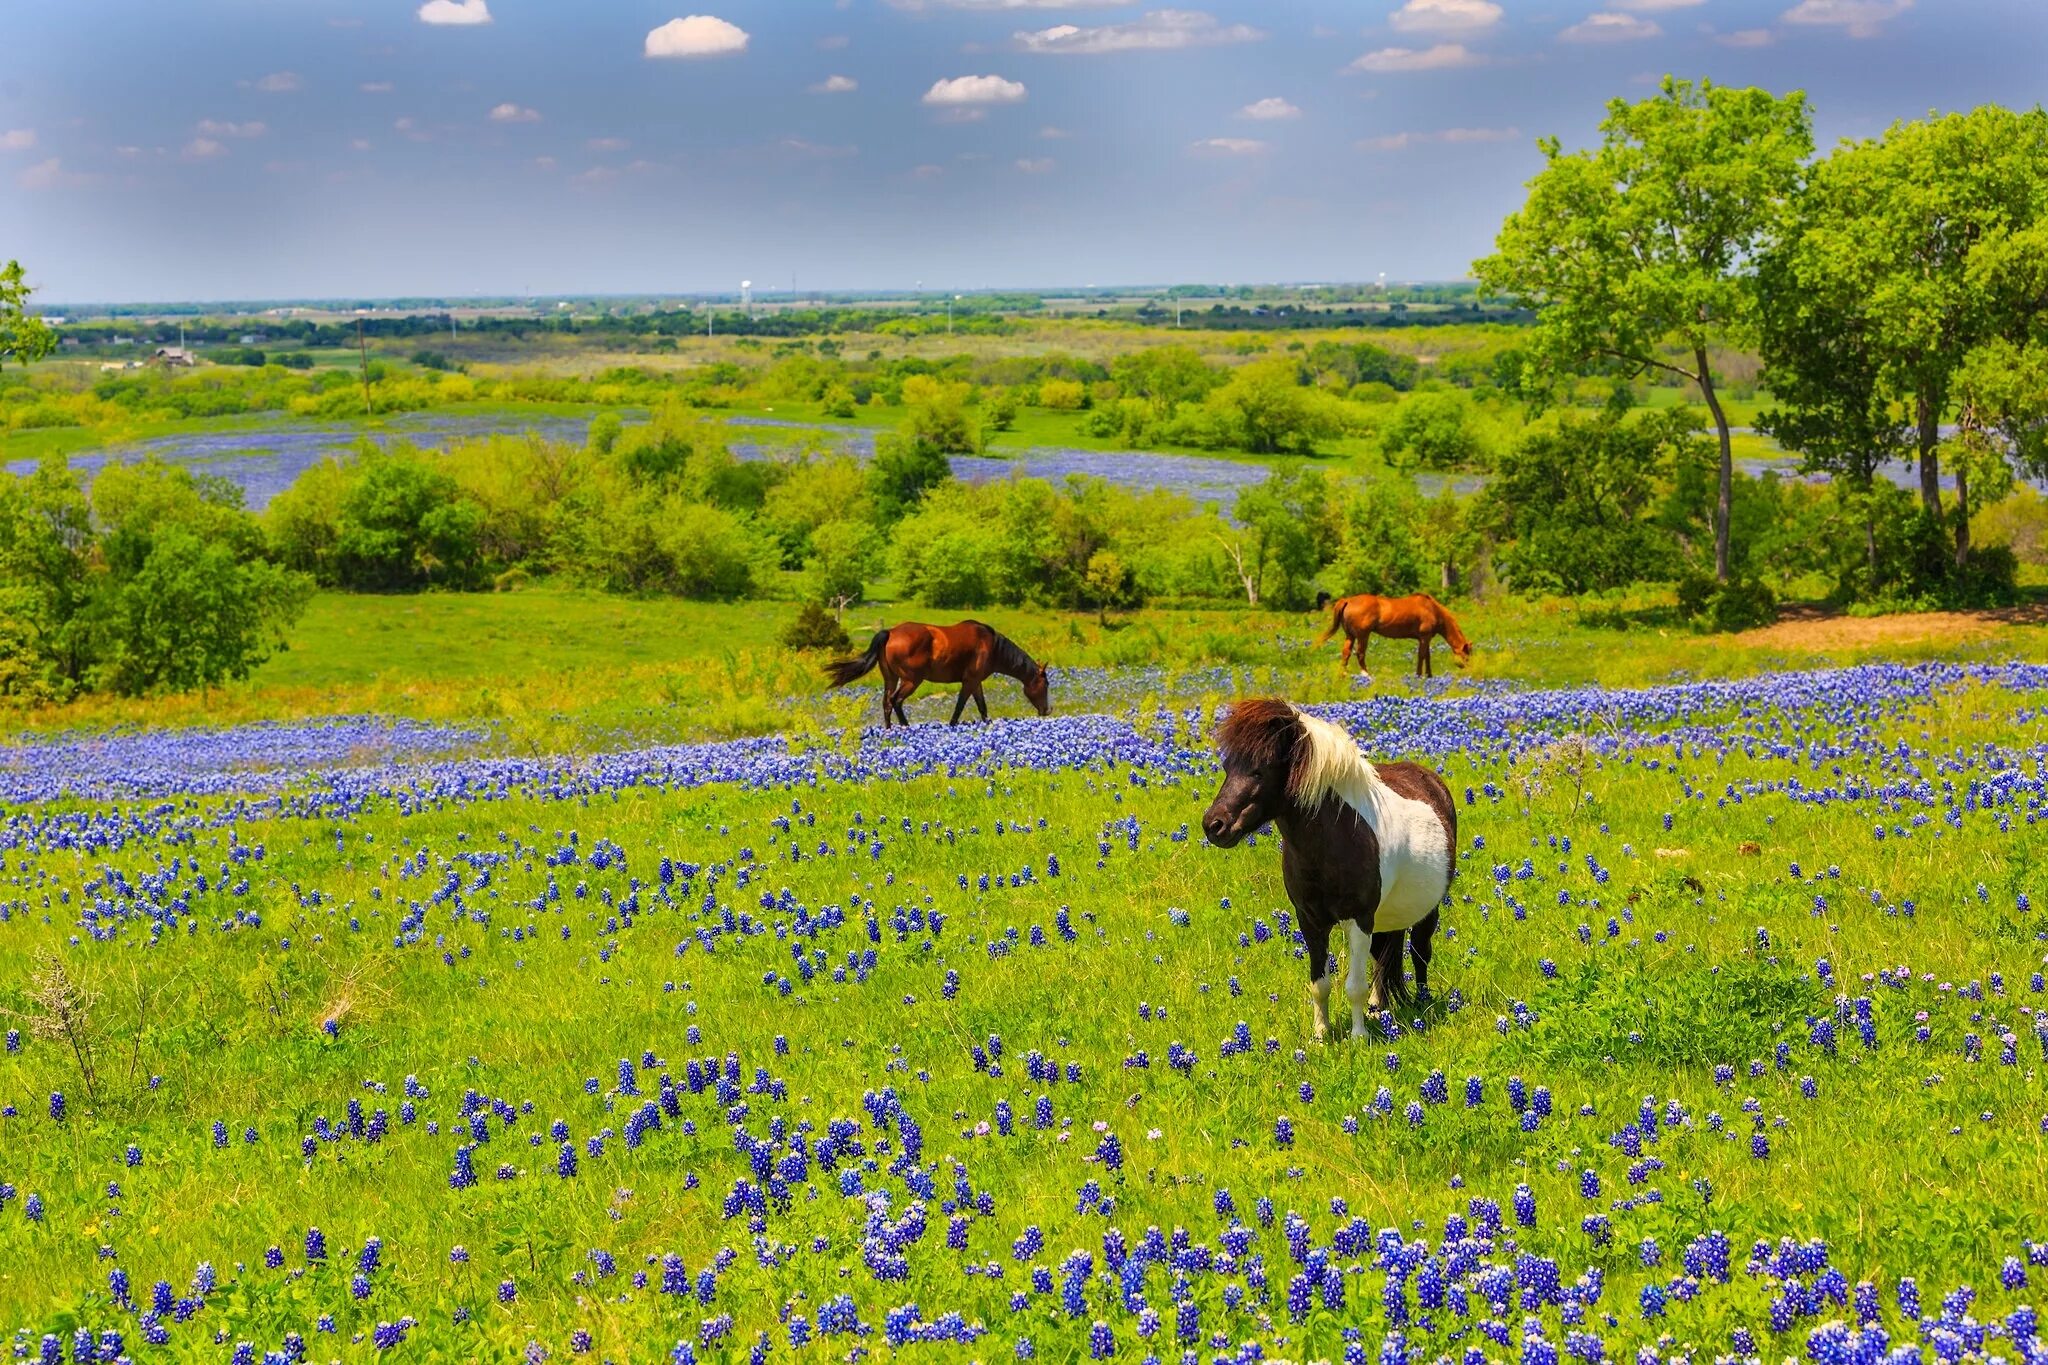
[1724, 502]
[1930, 455]
[1870, 541]
[1962, 516]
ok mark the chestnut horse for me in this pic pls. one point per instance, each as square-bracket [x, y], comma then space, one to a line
[1370, 846]
[1416, 618]
[912, 654]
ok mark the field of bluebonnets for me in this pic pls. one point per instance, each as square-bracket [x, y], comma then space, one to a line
[351, 1040]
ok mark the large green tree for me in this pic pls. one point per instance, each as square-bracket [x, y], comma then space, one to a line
[1911, 257]
[1639, 254]
[23, 336]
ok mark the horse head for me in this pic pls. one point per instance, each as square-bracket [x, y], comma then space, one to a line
[1038, 691]
[1257, 745]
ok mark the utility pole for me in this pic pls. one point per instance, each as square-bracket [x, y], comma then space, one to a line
[363, 350]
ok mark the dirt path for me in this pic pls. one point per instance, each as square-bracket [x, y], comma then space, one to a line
[1816, 632]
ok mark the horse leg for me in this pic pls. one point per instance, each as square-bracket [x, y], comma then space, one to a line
[888, 687]
[1420, 948]
[1359, 976]
[980, 703]
[904, 690]
[1386, 966]
[1422, 657]
[1320, 978]
[1344, 664]
[960, 705]
[1363, 640]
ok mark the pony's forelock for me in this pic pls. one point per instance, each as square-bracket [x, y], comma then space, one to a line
[1260, 732]
[1328, 763]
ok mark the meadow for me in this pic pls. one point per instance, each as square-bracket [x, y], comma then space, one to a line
[607, 1016]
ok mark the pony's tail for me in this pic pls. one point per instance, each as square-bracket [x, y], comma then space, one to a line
[843, 671]
[1336, 623]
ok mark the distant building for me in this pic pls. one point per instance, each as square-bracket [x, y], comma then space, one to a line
[175, 355]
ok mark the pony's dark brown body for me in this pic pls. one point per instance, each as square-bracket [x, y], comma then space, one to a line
[913, 654]
[1419, 617]
[1330, 859]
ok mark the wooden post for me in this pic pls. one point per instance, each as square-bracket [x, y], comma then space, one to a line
[363, 350]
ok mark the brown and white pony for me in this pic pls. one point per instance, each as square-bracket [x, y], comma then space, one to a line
[1416, 618]
[1373, 847]
[913, 654]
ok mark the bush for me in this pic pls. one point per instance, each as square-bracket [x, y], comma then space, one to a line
[813, 627]
[1739, 604]
[294, 360]
[1063, 395]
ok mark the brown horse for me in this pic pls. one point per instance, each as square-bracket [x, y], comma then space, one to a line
[912, 654]
[1418, 618]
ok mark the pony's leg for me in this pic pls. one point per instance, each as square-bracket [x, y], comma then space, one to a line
[960, 705]
[1386, 959]
[1420, 948]
[1320, 979]
[1359, 976]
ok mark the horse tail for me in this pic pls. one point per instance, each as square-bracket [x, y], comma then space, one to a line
[1336, 623]
[843, 671]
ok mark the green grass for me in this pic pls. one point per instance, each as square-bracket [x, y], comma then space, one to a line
[1890, 1162]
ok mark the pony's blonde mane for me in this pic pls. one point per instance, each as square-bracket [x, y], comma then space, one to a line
[1329, 763]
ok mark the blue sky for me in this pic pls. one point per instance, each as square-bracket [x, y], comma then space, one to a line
[267, 148]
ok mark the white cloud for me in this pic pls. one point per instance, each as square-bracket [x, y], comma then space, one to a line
[509, 112]
[969, 91]
[1036, 165]
[359, 144]
[1655, 6]
[1445, 16]
[698, 35]
[1395, 142]
[1231, 146]
[375, 87]
[821, 150]
[1006, 4]
[1609, 28]
[216, 128]
[1747, 37]
[834, 42]
[1440, 57]
[607, 144]
[203, 149]
[836, 85]
[17, 139]
[49, 175]
[1160, 30]
[544, 163]
[1857, 18]
[1053, 134]
[455, 12]
[1270, 109]
[280, 83]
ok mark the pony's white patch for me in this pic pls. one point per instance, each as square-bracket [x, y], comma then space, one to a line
[1415, 849]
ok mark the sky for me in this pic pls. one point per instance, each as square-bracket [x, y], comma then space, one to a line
[253, 149]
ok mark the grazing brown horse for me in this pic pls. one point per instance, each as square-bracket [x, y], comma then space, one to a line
[1369, 846]
[1417, 618]
[912, 654]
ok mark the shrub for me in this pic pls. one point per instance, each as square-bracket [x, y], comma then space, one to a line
[1739, 604]
[1063, 395]
[813, 627]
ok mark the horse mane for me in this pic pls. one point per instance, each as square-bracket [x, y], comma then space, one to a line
[1007, 656]
[1329, 763]
[1454, 637]
[1322, 758]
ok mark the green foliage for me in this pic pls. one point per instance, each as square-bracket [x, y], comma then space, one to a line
[158, 582]
[815, 628]
[1738, 604]
[433, 360]
[842, 555]
[1266, 408]
[403, 523]
[901, 473]
[23, 336]
[1435, 430]
[1573, 502]
[1644, 246]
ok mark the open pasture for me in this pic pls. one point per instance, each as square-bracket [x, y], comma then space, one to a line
[350, 1043]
